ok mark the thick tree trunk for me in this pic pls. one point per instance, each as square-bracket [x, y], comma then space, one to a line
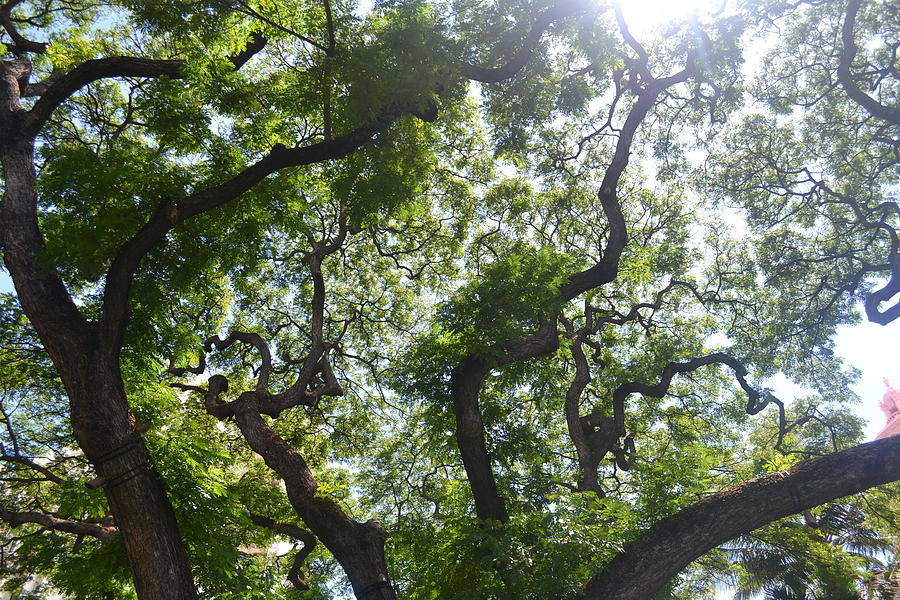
[101, 421]
[104, 429]
[665, 549]
[465, 388]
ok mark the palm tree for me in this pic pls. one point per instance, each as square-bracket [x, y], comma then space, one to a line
[834, 555]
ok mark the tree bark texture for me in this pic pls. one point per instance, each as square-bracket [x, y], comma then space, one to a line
[358, 547]
[466, 385]
[651, 561]
[89, 369]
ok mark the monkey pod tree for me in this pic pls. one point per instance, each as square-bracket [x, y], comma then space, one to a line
[440, 291]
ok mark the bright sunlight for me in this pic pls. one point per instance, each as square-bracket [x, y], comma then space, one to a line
[644, 16]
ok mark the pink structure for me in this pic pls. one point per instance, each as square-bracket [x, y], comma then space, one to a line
[890, 405]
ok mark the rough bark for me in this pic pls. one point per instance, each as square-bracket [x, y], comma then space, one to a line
[358, 547]
[466, 384]
[648, 563]
[89, 370]
[587, 478]
[104, 429]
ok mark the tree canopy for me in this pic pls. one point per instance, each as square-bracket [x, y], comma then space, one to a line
[444, 298]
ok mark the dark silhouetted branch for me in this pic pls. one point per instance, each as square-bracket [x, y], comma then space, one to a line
[515, 63]
[845, 76]
[298, 533]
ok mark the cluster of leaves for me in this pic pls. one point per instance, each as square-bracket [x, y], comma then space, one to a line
[440, 261]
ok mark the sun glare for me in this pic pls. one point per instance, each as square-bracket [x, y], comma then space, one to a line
[645, 16]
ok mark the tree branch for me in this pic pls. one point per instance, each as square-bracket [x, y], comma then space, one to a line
[648, 563]
[874, 299]
[94, 70]
[358, 547]
[39, 88]
[27, 462]
[883, 294]
[256, 43]
[465, 387]
[845, 77]
[20, 43]
[515, 63]
[587, 480]
[596, 436]
[307, 389]
[41, 292]
[58, 87]
[329, 25]
[15, 519]
[659, 390]
[298, 533]
[607, 268]
[251, 12]
[467, 378]
[172, 212]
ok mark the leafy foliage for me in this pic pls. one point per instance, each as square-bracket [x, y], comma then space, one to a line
[754, 214]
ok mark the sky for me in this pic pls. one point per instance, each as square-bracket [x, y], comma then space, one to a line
[874, 350]
[869, 348]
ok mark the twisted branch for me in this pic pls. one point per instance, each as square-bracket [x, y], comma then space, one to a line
[467, 378]
[596, 436]
[316, 377]
[845, 77]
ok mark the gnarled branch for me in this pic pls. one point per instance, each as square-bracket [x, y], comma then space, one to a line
[845, 77]
[468, 377]
[607, 268]
[890, 289]
[307, 389]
